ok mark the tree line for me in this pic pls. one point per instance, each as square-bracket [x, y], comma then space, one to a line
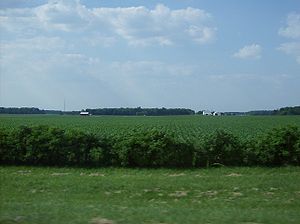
[52, 146]
[282, 111]
[103, 111]
[21, 110]
[141, 111]
[144, 111]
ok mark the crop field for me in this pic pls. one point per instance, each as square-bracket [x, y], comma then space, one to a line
[184, 127]
[144, 141]
[107, 195]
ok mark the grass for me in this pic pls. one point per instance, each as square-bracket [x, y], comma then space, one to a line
[115, 195]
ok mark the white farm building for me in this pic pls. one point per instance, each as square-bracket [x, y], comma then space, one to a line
[217, 113]
[207, 113]
[211, 113]
[84, 113]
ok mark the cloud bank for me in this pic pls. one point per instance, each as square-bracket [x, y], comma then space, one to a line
[292, 32]
[139, 26]
[292, 28]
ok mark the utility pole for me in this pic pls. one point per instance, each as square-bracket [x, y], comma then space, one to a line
[1, 86]
[64, 105]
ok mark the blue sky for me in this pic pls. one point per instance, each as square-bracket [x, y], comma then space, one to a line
[201, 54]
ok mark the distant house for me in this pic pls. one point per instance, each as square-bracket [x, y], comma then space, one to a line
[207, 113]
[217, 113]
[84, 113]
[211, 113]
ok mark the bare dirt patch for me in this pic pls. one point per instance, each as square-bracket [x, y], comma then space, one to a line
[96, 175]
[237, 194]
[234, 175]
[177, 175]
[208, 193]
[59, 174]
[24, 172]
[101, 221]
[179, 194]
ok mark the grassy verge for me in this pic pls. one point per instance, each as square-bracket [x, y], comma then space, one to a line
[221, 195]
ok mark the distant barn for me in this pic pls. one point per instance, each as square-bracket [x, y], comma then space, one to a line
[217, 113]
[211, 113]
[207, 113]
[84, 113]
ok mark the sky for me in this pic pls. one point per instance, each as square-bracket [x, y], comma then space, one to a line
[216, 55]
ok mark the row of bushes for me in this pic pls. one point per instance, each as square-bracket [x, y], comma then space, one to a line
[51, 146]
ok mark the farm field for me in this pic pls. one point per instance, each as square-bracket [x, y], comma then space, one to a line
[120, 195]
[116, 195]
[184, 127]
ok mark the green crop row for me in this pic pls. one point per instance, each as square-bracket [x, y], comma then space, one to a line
[52, 146]
[185, 128]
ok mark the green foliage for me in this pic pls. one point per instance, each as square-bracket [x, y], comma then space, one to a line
[22, 110]
[141, 111]
[222, 148]
[45, 145]
[280, 146]
[153, 149]
[101, 154]
[288, 111]
[5, 146]
[52, 146]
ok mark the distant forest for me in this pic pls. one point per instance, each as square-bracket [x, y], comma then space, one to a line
[141, 111]
[144, 111]
[282, 111]
[103, 111]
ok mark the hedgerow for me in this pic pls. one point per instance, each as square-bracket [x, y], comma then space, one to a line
[280, 146]
[153, 148]
[52, 146]
[220, 147]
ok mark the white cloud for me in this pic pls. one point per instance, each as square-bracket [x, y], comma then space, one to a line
[21, 22]
[249, 51]
[46, 73]
[64, 15]
[275, 78]
[155, 69]
[291, 48]
[201, 35]
[136, 25]
[163, 26]
[42, 72]
[44, 69]
[292, 29]
[34, 44]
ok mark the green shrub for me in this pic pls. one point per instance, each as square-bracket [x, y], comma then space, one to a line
[280, 146]
[86, 149]
[250, 155]
[44, 145]
[5, 146]
[100, 152]
[222, 147]
[153, 149]
[19, 140]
